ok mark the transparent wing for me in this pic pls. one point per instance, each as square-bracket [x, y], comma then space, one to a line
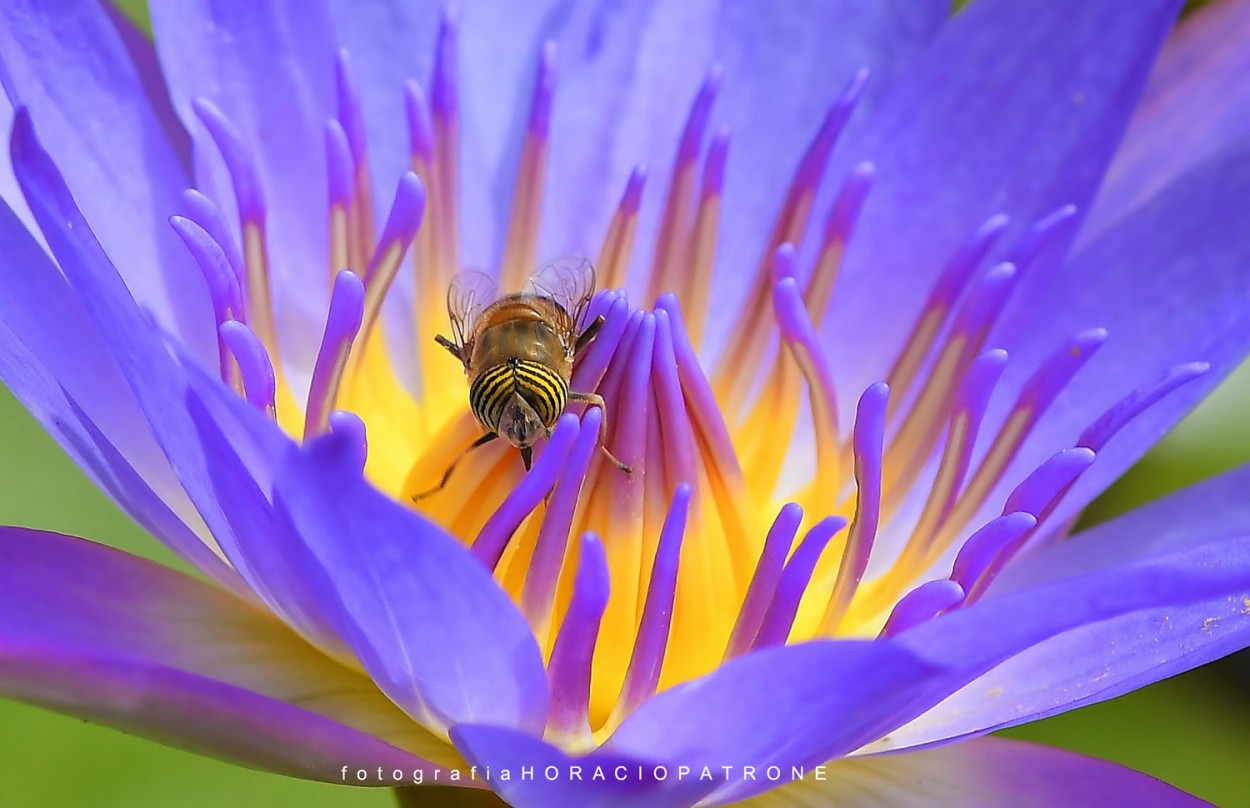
[569, 281]
[470, 293]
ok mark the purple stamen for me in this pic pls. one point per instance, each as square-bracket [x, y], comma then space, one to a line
[779, 619]
[1113, 420]
[401, 228]
[617, 333]
[201, 210]
[223, 287]
[680, 456]
[1055, 373]
[868, 445]
[704, 410]
[1040, 492]
[544, 90]
[539, 591]
[248, 191]
[984, 304]
[643, 675]
[812, 166]
[849, 202]
[341, 169]
[347, 300]
[978, 552]
[351, 428]
[631, 198]
[700, 113]
[963, 264]
[714, 164]
[259, 382]
[349, 110]
[420, 127]
[798, 331]
[971, 401]
[1040, 235]
[210, 256]
[763, 584]
[925, 602]
[1041, 487]
[949, 288]
[444, 95]
[632, 411]
[497, 532]
[569, 669]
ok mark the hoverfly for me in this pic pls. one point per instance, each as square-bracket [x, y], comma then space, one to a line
[518, 352]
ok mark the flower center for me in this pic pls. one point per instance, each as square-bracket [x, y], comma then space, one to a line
[633, 583]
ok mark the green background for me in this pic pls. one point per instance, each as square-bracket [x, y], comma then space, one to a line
[1191, 730]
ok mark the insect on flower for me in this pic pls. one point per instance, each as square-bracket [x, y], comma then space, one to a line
[518, 353]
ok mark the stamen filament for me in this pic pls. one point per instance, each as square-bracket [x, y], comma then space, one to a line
[673, 241]
[618, 245]
[255, 368]
[764, 582]
[867, 443]
[520, 254]
[347, 300]
[569, 671]
[779, 619]
[643, 676]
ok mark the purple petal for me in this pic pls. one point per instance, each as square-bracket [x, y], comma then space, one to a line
[129, 341]
[66, 377]
[1171, 284]
[269, 68]
[94, 632]
[631, 74]
[1196, 103]
[1080, 639]
[602, 779]
[982, 772]
[423, 616]
[1213, 510]
[838, 695]
[1015, 108]
[87, 97]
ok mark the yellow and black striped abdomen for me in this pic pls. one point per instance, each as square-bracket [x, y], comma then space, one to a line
[541, 387]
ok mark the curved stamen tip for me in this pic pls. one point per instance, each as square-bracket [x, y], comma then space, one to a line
[631, 199]
[350, 427]
[340, 167]
[248, 191]
[785, 260]
[855, 88]
[544, 90]
[717, 156]
[420, 127]
[259, 382]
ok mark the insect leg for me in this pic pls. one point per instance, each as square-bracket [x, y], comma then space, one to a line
[596, 400]
[482, 441]
[449, 345]
[588, 335]
[527, 457]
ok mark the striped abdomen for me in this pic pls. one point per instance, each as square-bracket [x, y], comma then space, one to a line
[542, 388]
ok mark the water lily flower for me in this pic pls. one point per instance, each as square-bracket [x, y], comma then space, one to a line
[895, 295]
